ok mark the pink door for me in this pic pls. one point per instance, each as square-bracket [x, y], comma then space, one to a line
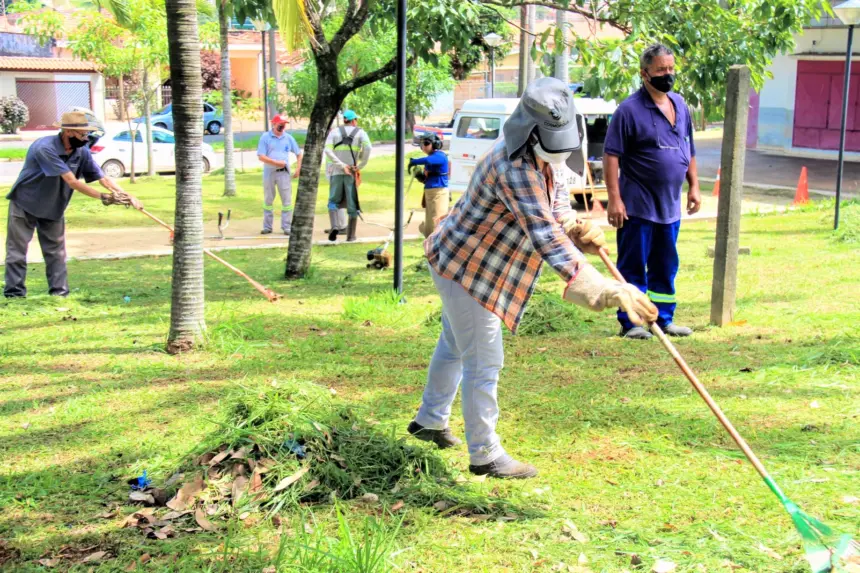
[752, 120]
[818, 105]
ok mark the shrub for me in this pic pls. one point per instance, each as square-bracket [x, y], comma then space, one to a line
[13, 114]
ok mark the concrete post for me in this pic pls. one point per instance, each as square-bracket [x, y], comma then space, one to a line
[523, 74]
[724, 284]
[531, 65]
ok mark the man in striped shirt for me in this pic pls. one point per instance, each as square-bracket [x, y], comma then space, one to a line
[485, 258]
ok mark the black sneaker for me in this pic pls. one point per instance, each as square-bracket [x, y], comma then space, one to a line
[286, 233]
[266, 232]
[505, 467]
[442, 438]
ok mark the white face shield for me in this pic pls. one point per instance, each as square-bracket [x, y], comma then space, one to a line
[557, 160]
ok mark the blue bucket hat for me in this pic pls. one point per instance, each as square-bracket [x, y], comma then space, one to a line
[349, 115]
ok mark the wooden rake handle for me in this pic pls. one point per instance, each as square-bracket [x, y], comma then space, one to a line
[691, 376]
[269, 294]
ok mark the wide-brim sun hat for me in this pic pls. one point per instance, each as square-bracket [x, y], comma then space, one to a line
[76, 120]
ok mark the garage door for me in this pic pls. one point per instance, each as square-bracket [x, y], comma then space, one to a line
[47, 100]
[818, 106]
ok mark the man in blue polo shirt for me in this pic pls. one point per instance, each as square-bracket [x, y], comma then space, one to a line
[274, 152]
[650, 138]
[40, 196]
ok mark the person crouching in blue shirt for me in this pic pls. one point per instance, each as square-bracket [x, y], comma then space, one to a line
[650, 138]
[436, 198]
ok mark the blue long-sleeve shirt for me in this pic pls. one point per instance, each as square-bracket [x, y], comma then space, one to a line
[436, 167]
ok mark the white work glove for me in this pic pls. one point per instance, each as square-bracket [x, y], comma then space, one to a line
[588, 238]
[592, 290]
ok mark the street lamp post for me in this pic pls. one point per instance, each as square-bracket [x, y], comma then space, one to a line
[261, 27]
[493, 40]
[849, 13]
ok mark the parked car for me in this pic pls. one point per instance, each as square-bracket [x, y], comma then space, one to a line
[443, 130]
[480, 122]
[163, 118]
[113, 152]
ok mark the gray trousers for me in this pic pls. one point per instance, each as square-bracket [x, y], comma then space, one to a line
[52, 239]
[280, 182]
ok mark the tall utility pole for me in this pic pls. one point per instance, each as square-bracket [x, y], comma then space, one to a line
[524, 22]
[273, 72]
[562, 59]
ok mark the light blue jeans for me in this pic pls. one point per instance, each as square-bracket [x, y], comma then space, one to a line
[469, 354]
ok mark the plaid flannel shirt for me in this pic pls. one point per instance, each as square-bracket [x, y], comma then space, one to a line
[498, 234]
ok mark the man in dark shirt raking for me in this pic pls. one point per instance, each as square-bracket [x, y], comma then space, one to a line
[39, 198]
[650, 138]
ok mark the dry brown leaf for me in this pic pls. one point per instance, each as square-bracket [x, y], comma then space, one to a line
[664, 566]
[769, 552]
[239, 470]
[173, 480]
[370, 498]
[441, 505]
[256, 482]
[93, 557]
[570, 529]
[311, 485]
[186, 494]
[175, 514]
[49, 563]
[202, 521]
[239, 486]
[141, 497]
[668, 527]
[290, 480]
[220, 458]
[239, 454]
[397, 505]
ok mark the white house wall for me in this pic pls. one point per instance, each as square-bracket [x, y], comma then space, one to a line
[776, 103]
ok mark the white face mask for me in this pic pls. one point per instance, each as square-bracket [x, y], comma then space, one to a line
[555, 159]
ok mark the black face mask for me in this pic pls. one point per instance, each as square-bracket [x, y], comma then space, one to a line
[279, 129]
[75, 143]
[662, 83]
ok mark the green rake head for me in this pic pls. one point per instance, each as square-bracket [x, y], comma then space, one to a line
[826, 551]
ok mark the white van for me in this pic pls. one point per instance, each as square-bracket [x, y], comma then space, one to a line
[479, 124]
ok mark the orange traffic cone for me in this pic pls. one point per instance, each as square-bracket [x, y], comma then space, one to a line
[801, 197]
[597, 206]
[717, 184]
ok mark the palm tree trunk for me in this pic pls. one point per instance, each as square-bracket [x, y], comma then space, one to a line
[147, 116]
[227, 103]
[299, 254]
[186, 310]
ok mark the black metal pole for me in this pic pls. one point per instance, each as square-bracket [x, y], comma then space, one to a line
[492, 72]
[265, 87]
[844, 123]
[400, 154]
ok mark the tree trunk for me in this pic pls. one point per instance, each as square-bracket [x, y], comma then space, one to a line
[274, 108]
[531, 65]
[227, 104]
[132, 131]
[301, 237]
[187, 322]
[121, 97]
[523, 73]
[150, 161]
[563, 57]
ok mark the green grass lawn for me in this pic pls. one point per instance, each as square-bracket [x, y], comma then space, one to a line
[159, 197]
[13, 153]
[626, 451]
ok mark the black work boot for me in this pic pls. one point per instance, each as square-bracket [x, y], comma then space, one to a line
[636, 333]
[505, 467]
[442, 438]
[333, 232]
[350, 230]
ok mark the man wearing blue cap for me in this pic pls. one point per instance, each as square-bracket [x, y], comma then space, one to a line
[347, 150]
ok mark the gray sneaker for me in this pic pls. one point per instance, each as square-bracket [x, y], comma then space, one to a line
[673, 329]
[505, 467]
[636, 333]
[443, 438]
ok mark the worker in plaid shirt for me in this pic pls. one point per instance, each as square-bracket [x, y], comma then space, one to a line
[485, 258]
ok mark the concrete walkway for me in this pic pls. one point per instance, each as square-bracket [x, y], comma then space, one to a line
[244, 234]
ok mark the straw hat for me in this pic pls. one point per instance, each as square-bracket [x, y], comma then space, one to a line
[75, 120]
